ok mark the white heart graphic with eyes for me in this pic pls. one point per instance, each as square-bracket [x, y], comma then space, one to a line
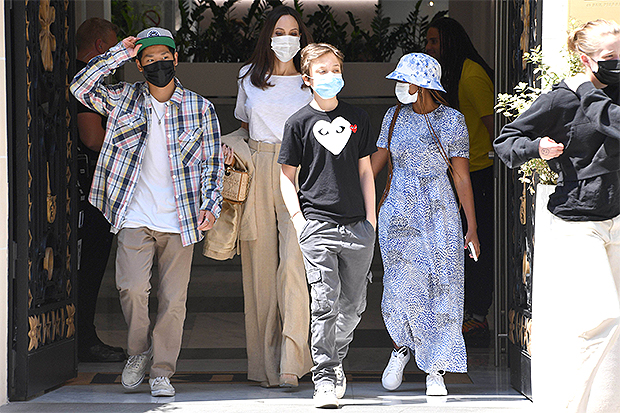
[333, 135]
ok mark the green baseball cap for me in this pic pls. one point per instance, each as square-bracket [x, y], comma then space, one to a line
[155, 35]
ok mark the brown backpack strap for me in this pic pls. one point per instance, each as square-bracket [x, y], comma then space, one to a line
[444, 155]
[389, 140]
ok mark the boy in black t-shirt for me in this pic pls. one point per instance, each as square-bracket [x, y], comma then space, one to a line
[333, 214]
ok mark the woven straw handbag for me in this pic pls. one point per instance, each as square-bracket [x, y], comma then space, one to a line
[236, 185]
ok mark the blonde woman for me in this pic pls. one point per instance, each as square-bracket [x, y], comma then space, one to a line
[576, 129]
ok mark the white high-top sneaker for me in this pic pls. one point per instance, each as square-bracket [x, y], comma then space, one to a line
[393, 374]
[435, 385]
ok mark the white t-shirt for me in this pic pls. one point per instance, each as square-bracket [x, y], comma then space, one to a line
[152, 204]
[266, 110]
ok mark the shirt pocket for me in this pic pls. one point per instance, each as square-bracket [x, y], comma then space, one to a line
[190, 144]
[129, 129]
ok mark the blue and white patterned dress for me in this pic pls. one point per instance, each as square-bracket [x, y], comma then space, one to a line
[421, 239]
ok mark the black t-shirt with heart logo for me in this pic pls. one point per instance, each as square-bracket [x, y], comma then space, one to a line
[328, 146]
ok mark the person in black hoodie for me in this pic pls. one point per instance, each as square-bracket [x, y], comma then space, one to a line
[576, 129]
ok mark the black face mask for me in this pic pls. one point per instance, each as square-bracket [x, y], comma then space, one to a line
[608, 72]
[159, 73]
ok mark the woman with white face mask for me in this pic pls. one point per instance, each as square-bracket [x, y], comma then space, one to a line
[420, 232]
[575, 127]
[277, 315]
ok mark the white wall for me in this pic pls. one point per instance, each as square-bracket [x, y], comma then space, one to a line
[554, 33]
[4, 220]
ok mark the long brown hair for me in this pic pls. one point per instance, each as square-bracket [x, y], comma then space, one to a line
[454, 47]
[262, 60]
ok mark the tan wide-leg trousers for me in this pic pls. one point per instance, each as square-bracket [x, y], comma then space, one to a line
[576, 317]
[134, 261]
[277, 315]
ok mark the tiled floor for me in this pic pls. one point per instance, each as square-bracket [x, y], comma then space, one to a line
[214, 342]
[488, 392]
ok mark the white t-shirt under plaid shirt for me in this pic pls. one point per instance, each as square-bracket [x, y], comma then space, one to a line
[152, 205]
[192, 143]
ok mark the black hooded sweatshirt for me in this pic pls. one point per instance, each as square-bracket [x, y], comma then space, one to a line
[587, 122]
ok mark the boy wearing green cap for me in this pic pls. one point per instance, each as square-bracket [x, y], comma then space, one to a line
[158, 182]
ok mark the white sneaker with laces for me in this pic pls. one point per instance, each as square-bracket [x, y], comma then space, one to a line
[341, 382]
[325, 396]
[160, 386]
[135, 369]
[392, 376]
[435, 385]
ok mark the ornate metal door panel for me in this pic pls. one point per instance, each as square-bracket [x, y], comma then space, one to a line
[43, 203]
[519, 30]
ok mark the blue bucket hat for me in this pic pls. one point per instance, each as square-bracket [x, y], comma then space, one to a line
[419, 69]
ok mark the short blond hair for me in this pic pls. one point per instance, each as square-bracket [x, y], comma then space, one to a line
[315, 50]
[587, 38]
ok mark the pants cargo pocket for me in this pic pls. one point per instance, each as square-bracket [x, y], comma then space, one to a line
[318, 292]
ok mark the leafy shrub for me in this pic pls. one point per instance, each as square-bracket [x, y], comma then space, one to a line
[130, 18]
[512, 105]
[227, 39]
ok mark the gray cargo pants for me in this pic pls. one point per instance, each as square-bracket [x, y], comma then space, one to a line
[337, 260]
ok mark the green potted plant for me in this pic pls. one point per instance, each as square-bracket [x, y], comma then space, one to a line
[513, 104]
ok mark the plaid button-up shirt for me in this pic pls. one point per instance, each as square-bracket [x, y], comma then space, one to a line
[193, 143]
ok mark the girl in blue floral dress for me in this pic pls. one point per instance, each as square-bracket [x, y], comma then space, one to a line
[420, 231]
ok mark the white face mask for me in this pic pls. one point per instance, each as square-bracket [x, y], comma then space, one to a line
[402, 93]
[285, 47]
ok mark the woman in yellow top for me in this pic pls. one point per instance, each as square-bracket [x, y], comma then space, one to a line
[467, 79]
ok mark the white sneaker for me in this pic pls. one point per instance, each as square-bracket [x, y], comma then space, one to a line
[435, 385]
[392, 376]
[160, 386]
[135, 369]
[325, 396]
[341, 382]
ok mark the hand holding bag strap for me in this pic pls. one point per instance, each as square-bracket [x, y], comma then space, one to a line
[389, 140]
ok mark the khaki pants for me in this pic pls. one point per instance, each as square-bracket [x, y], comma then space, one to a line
[277, 315]
[134, 261]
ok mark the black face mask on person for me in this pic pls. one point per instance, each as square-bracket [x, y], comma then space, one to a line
[608, 72]
[159, 73]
